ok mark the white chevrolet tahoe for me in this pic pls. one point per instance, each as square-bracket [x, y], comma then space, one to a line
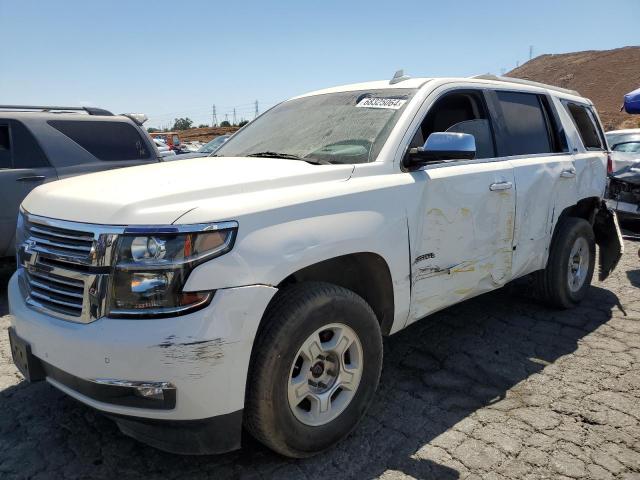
[190, 299]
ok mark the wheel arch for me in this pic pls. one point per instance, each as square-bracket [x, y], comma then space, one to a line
[364, 273]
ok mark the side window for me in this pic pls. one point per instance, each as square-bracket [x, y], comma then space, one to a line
[587, 126]
[526, 123]
[460, 112]
[107, 141]
[5, 147]
[25, 148]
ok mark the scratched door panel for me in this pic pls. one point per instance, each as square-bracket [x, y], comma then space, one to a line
[464, 245]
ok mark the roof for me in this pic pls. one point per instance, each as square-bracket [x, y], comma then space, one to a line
[375, 85]
[628, 131]
[414, 83]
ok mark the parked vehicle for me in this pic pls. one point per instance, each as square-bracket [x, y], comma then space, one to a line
[625, 147]
[163, 150]
[188, 299]
[171, 139]
[205, 150]
[42, 144]
[624, 192]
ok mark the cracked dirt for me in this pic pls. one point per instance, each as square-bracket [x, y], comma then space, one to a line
[497, 387]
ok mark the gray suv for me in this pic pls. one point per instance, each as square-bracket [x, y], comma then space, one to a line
[43, 144]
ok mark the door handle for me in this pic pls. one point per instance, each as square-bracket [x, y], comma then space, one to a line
[32, 178]
[568, 173]
[496, 187]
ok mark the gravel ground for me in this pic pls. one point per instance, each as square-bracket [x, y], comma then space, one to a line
[496, 387]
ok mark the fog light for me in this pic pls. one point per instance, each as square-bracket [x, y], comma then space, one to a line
[152, 393]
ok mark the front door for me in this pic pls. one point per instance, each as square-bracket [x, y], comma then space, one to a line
[463, 245]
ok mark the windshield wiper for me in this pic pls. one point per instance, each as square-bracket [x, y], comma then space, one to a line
[287, 156]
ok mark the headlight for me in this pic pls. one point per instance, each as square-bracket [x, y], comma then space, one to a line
[152, 265]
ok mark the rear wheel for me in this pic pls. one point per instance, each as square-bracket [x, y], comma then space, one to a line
[566, 280]
[314, 370]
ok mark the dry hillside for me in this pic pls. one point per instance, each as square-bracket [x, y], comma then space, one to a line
[603, 76]
[205, 134]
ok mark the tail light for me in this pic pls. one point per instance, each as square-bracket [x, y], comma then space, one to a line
[609, 164]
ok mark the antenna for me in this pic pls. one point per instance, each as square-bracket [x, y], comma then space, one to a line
[234, 115]
[257, 111]
[398, 77]
[530, 52]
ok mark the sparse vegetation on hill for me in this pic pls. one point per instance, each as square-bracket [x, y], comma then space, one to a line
[602, 76]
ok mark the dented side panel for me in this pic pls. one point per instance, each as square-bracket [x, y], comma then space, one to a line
[462, 240]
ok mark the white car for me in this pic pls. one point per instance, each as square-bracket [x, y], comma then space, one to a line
[187, 299]
[625, 147]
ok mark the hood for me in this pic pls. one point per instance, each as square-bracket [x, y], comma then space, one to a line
[162, 192]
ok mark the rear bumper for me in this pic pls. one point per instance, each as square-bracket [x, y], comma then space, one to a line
[203, 356]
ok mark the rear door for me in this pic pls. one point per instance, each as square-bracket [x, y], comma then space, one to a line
[589, 150]
[529, 134]
[23, 166]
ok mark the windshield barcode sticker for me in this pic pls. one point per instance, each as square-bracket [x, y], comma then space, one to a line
[390, 103]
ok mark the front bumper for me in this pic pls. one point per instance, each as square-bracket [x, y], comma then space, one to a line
[204, 356]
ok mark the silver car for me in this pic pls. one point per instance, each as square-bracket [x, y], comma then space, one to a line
[43, 144]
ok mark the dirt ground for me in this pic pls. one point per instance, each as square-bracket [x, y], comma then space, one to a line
[497, 387]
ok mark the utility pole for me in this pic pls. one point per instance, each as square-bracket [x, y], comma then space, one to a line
[226, 117]
[234, 115]
[530, 52]
[214, 117]
[256, 112]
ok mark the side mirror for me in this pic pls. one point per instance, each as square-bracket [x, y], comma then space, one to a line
[443, 146]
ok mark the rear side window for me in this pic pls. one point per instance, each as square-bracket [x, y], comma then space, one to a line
[19, 148]
[26, 149]
[107, 141]
[587, 126]
[526, 124]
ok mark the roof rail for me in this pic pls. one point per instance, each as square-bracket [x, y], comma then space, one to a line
[45, 108]
[520, 81]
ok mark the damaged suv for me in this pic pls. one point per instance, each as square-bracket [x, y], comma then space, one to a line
[253, 288]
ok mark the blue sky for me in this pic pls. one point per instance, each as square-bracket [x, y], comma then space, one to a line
[177, 58]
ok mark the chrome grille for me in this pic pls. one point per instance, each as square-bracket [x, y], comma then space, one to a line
[60, 294]
[64, 266]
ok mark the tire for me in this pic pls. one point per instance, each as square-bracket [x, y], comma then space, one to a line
[327, 313]
[553, 284]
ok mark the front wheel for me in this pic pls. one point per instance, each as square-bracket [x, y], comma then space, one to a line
[566, 280]
[314, 369]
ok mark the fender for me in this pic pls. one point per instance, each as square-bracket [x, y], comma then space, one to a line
[269, 250]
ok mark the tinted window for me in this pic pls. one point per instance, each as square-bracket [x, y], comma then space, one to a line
[106, 141]
[459, 112]
[19, 148]
[586, 125]
[525, 122]
[26, 150]
[5, 147]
